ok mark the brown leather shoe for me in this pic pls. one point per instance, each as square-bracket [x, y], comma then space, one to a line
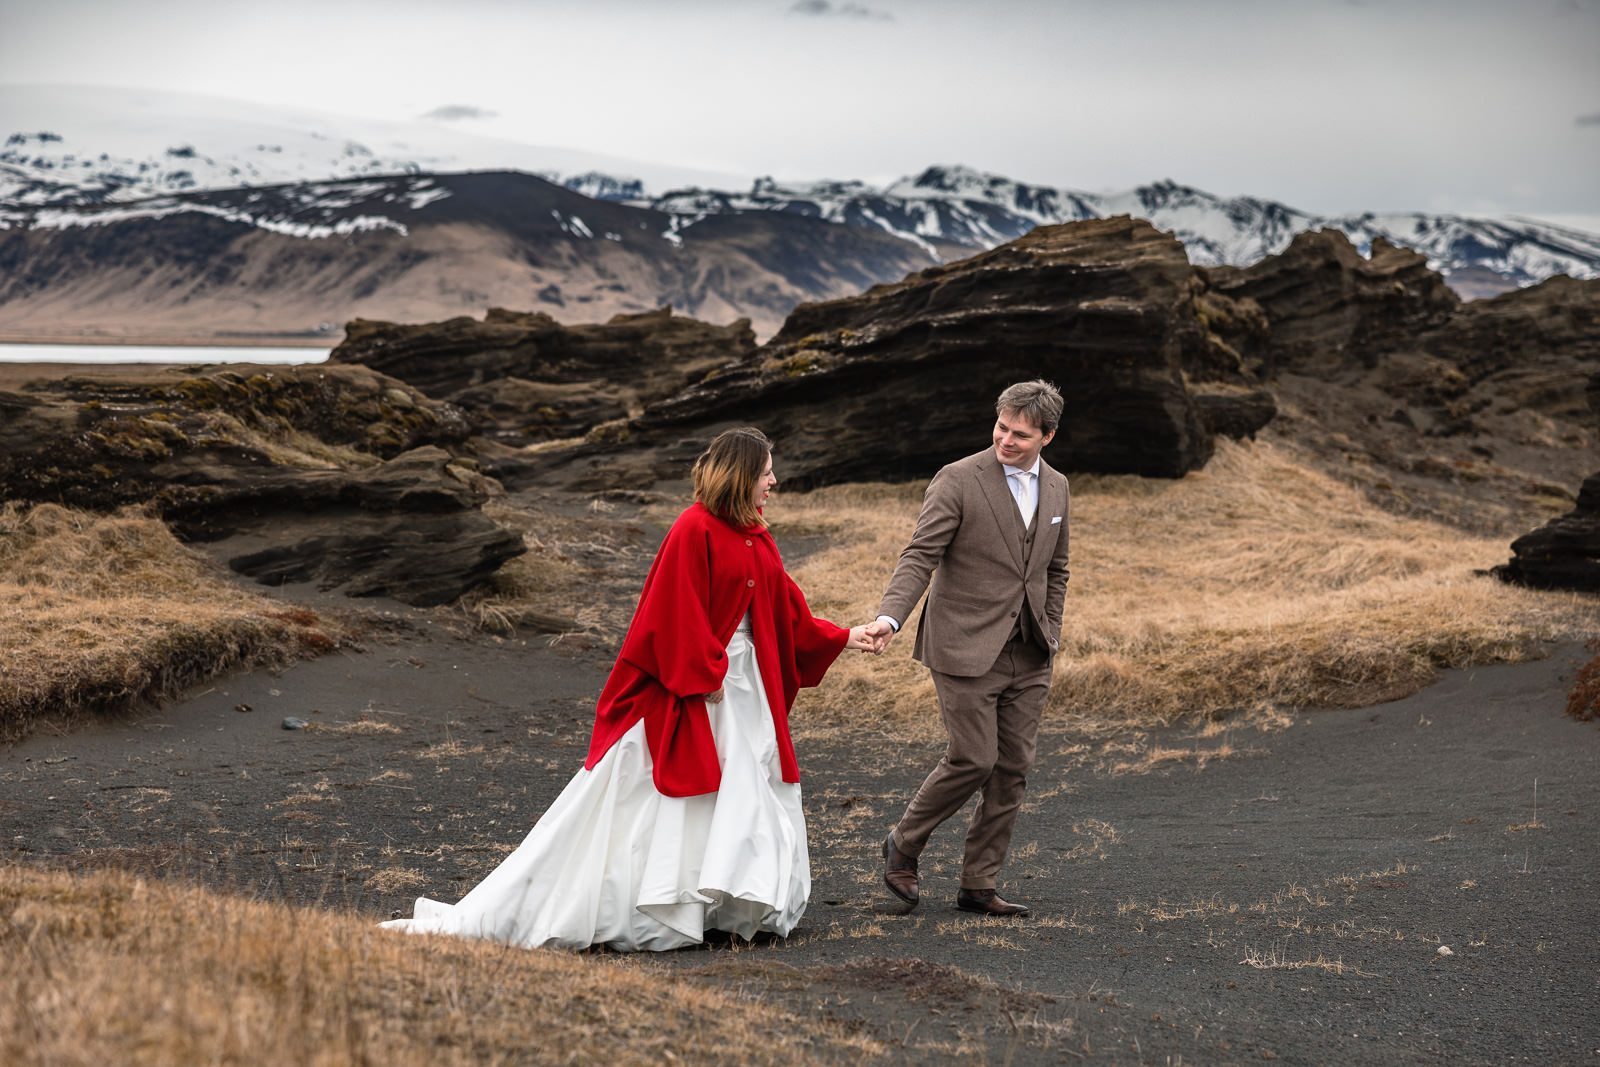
[987, 902]
[900, 872]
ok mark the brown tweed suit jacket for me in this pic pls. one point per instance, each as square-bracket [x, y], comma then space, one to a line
[972, 555]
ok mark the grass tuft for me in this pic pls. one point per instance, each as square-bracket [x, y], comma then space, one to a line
[98, 612]
[109, 968]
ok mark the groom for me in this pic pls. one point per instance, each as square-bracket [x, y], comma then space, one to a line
[992, 542]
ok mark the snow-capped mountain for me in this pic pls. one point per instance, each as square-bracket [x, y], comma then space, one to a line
[307, 209]
[962, 206]
[71, 146]
[292, 262]
[76, 155]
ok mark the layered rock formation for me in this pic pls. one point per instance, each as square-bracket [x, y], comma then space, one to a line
[410, 528]
[1322, 309]
[1527, 344]
[1369, 361]
[1471, 413]
[900, 379]
[1564, 553]
[526, 377]
[98, 441]
[289, 460]
[1325, 303]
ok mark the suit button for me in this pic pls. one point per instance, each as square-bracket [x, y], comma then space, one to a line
[751, 582]
[1013, 614]
[748, 541]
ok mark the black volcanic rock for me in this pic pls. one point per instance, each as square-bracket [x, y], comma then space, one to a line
[901, 379]
[409, 529]
[1530, 344]
[526, 377]
[1564, 553]
[311, 473]
[1236, 413]
[1327, 304]
[98, 442]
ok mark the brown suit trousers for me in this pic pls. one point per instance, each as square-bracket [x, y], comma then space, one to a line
[982, 569]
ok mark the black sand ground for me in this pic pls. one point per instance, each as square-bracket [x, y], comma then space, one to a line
[1291, 902]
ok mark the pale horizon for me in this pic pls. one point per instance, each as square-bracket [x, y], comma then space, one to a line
[1328, 106]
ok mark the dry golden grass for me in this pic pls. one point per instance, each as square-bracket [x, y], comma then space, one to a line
[1583, 703]
[107, 968]
[1255, 585]
[567, 582]
[99, 611]
[1277, 959]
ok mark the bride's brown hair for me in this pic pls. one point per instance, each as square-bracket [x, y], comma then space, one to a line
[725, 475]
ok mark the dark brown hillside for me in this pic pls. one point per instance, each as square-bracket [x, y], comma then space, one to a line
[497, 239]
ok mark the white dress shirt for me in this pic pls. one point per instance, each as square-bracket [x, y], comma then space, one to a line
[1025, 488]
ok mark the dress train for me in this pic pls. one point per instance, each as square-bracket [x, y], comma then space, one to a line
[613, 862]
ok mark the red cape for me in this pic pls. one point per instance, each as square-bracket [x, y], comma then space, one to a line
[707, 574]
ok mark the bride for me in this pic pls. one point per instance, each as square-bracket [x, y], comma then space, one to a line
[686, 815]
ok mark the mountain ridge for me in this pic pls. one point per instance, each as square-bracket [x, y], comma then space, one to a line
[978, 210]
[300, 260]
[296, 176]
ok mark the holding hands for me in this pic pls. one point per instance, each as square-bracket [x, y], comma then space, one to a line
[874, 637]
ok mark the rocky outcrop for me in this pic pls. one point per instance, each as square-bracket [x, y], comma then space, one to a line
[102, 441]
[526, 377]
[1237, 412]
[1469, 413]
[325, 473]
[1564, 553]
[1322, 309]
[411, 529]
[1530, 345]
[901, 379]
[1325, 304]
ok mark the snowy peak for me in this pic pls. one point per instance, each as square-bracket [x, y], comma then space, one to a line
[598, 186]
[306, 209]
[64, 146]
[46, 169]
[968, 207]
[769, 187]
[957, 182]
[68, 155]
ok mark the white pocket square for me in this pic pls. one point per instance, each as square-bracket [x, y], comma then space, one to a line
[1055, 520]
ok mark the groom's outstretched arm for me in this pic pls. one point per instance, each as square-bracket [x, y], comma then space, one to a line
[936, 528]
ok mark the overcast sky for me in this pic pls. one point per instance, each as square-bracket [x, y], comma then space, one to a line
[1330, 106]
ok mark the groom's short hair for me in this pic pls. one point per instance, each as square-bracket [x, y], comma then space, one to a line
[1037, 401]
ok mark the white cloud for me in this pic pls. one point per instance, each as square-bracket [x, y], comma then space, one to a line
[457, 112]
[824, 9]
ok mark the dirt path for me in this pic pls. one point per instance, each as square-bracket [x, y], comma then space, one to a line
[1289, 903]
[1286, 901]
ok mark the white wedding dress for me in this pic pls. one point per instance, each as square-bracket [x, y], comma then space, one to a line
[613, 862]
